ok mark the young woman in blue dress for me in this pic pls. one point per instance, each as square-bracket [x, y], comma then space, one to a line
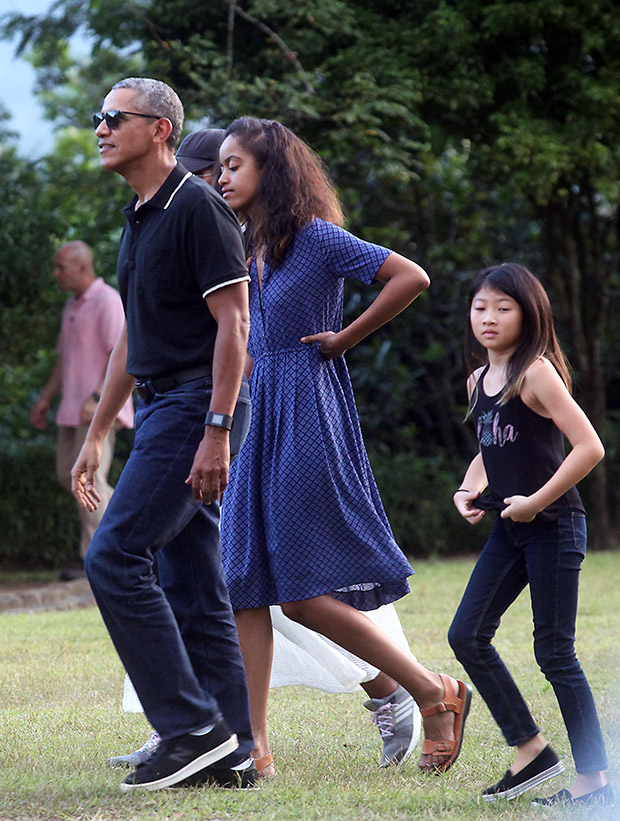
[303, 525]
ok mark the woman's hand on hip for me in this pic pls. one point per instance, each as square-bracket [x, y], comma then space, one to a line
[331, 345]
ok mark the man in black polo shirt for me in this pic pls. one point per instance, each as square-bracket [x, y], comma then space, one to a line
[176, 635]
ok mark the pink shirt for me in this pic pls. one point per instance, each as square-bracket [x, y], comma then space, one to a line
[91, 324]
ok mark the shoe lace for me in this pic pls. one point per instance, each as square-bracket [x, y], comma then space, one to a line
[383, 717]
[151, 743]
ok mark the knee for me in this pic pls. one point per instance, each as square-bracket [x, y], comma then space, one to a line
[555, 660]
[463, 642]
[297, 611]
[93, 565]
[101, 564]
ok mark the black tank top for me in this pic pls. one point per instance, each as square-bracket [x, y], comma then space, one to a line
[520, 450]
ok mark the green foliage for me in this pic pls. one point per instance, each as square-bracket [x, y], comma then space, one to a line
[22, 219]
[417, 495]
[459, 133]
[39, 520]
[62, 197]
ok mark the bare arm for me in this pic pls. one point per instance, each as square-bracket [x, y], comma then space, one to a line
[544, 392]
[475, 479]
[229, 307]
[404, 281]
[474, 482]
[50, 390]
[90, 406]
[249, 364]
[117, 387]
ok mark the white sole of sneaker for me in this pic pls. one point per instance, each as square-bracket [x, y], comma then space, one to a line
[519, 789]
[204, 760]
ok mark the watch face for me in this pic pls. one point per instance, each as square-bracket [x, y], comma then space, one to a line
[219, 420]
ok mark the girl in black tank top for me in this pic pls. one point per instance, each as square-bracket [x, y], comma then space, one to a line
[520, 402]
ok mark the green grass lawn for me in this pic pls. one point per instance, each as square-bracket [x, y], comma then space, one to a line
[60, 691]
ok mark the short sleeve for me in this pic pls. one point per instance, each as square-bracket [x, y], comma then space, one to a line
[215, 245]
[111, 318]
[348, 256]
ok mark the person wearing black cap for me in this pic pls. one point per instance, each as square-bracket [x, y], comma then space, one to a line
[199, 153]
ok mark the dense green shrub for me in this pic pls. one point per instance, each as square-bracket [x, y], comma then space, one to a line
[40, 527]
[417, 494]
[39, 520]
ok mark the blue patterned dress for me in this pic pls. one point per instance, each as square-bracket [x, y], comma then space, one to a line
[302, 514]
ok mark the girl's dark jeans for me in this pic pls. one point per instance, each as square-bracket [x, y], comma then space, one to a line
[548, 557]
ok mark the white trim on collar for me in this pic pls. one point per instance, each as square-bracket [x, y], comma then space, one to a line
[172, 196]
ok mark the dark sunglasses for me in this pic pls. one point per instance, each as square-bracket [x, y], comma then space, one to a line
[114, 118]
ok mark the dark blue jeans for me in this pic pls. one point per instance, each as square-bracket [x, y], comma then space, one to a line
[174, 629]
[548, 557]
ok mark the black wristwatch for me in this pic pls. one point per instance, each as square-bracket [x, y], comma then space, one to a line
[219, 420]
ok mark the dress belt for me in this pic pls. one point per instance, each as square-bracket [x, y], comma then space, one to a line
[147, 388]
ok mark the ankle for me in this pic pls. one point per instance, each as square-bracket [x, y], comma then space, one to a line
[433, 694]
[380, 687]
[261, 748]
[527, 752]
[585, 783]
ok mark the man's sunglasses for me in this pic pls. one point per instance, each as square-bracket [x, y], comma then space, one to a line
[114, 118]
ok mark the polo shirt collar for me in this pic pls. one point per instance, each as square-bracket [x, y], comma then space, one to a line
[166, 193]
[91, 291]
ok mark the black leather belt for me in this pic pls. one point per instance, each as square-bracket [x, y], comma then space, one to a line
[147, 388]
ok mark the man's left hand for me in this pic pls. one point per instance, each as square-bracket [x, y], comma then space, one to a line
[88, 411]
[209, 474]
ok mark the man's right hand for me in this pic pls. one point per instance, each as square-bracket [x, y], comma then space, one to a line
[83, 476]
[38, 414]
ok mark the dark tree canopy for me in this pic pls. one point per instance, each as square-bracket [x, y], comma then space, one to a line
[459, 133]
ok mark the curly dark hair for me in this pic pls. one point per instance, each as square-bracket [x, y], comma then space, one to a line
[293, 190]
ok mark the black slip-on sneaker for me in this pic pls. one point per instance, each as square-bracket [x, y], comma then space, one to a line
[546, 765]
[603, 797]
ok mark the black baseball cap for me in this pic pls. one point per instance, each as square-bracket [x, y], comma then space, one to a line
[200, 149]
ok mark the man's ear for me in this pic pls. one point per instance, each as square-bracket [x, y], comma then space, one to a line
[163, 130]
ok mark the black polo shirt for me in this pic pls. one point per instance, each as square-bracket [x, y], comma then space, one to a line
[175, 250]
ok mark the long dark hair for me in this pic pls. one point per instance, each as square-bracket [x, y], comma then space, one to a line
[538, 337]
[293, 190]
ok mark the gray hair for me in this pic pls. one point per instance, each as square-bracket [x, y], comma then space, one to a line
[158, 98]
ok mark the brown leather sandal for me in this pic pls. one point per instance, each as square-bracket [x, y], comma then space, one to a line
[262, 764]
[459, 704]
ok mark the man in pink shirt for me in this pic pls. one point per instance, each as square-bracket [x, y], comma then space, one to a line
[92, 320]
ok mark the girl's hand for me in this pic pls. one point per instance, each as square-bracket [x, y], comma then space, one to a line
[519, 509]
[462, 501]
[331, 347]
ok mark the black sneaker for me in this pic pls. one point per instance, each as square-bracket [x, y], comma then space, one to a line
[546, 765]
[603, 797]
[231, 778]
[179, 758]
